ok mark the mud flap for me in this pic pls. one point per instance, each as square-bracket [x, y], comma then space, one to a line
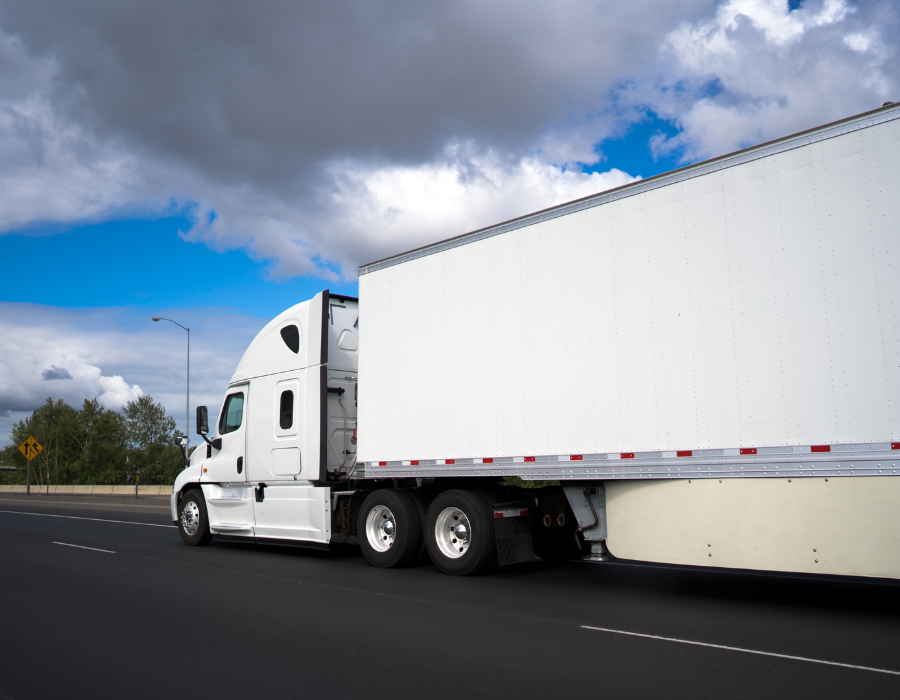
[512, 530]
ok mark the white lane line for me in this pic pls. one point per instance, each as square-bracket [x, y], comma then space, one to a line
[746, 651]
[75, 517]
[93, 549]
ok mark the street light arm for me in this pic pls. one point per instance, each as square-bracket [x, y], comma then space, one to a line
[160, 318]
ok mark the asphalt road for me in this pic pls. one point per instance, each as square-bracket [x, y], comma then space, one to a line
[143, 616]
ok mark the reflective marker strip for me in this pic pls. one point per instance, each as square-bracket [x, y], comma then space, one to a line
[746, 651]
[855, 451]
[510, 513]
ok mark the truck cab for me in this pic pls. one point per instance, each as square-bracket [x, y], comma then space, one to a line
[285, 434]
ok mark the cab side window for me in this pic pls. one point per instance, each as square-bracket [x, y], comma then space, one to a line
[286, 412]
[232, 413]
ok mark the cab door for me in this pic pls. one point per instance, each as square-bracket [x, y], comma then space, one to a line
[286, 505]
[229, 500]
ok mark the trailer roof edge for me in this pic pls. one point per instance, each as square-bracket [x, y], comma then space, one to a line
[786, 143]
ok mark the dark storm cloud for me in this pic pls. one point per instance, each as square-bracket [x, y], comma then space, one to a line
[261, 91]
[55, 373]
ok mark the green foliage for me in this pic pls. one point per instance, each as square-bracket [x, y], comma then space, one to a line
[96, 445]
[522, 484]
[152, 455]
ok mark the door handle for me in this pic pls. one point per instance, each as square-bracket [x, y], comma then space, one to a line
[240, 464]
[260, 492]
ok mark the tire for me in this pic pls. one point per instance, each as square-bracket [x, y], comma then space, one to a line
[193, 523]
[451, 553]
[389, 529]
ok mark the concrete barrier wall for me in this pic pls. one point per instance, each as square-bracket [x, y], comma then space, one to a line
[89, 490]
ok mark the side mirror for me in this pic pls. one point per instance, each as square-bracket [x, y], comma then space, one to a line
[202, 421]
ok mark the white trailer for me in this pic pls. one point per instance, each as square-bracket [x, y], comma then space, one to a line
[706, 363]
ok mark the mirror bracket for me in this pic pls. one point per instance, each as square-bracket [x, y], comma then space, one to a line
[203, 428]
[215, 443]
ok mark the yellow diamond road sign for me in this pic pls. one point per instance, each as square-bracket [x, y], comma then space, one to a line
[31, 448]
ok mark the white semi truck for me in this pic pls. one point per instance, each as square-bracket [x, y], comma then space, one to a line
[700, 368]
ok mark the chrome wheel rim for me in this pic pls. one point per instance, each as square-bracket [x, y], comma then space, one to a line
[453, 533]
[190, 518]
[381, 528]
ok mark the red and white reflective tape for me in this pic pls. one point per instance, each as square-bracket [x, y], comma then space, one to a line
[836, 459]
[725, 452]
[510, 513]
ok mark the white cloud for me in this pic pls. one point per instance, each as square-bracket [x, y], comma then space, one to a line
[859, 41]
[464, 191]
[364, 209]
[114, 355]
[116, 392]
[756, 71]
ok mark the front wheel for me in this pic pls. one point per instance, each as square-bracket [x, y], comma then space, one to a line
[193, 523]
[389, 529]
[459, 532]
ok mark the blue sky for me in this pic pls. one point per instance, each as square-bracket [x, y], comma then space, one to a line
[217, 164]
[631, 151]
[144, 264]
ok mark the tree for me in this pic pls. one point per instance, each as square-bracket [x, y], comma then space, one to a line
[96, 445]
[149, 433]
[100, 437]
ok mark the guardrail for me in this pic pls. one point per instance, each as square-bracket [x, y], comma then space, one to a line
[88, 490]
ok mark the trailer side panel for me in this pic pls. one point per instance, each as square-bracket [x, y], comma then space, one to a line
[749, 306]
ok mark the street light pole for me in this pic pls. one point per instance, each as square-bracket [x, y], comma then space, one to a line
[187, 401]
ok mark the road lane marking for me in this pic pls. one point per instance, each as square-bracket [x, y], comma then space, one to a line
[75, 517]
[746, 651]
[93, 549]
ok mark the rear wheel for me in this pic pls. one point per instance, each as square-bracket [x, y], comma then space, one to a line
[193, 523]
[389, 529]
[459, 532]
